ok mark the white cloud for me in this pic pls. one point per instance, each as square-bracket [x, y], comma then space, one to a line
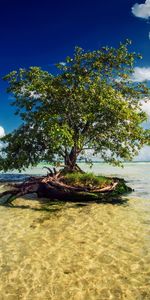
[142, 10]
[141, 74]
[2, 131]
[144, 154]
[62, 63]
[146, 107]
[25, 92]
[35, 95]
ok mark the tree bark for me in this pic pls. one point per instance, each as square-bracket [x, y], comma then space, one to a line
[71, 159]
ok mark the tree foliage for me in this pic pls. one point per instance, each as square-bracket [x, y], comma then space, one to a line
[91, 103]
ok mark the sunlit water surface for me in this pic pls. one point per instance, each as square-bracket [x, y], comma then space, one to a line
[75, 252]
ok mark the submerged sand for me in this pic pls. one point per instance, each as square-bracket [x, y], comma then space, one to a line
[75, 252]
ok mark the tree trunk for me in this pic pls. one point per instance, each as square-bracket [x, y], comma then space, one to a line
[70, 159]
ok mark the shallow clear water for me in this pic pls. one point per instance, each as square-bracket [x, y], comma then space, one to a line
[76, 252]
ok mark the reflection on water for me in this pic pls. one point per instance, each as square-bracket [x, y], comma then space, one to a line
[77, 252]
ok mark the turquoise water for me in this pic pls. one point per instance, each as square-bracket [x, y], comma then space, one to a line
[78, 252]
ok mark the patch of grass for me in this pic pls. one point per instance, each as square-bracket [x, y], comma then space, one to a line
[86, 179]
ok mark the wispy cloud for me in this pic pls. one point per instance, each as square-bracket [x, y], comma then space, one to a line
[62, 63]
[146, 107]
[142, 10]
[141, 74]
[144, 154]
[2, 131]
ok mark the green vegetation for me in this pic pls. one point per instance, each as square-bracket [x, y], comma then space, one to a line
[92, 103]
[121, 188]
[86, 180]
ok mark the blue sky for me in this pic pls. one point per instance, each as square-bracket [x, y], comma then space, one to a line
[43, 32]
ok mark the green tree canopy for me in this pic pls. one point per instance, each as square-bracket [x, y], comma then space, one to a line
[92, 102]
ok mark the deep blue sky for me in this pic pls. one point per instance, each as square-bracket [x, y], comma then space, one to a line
[44, 32]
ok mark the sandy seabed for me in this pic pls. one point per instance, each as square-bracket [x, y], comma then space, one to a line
[75, 252]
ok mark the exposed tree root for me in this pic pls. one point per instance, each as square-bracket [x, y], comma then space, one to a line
[53, 188]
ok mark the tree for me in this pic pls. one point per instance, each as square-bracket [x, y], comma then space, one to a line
[91, 103]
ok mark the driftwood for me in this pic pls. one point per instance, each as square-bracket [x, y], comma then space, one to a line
[53, 188]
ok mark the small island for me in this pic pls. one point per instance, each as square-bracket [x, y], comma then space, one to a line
[91, 105]
[72, 187]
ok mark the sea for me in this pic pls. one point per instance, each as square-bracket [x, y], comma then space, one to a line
[77, 251]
